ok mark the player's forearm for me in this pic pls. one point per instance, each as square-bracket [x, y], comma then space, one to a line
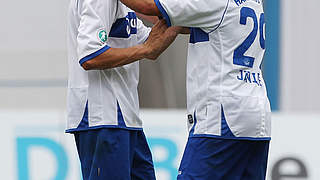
[150, 19]
[147, 7]
[158, 41]
[115, 57]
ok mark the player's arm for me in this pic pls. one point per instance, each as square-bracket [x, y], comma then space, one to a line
[93, 50]
[205, 14]
[154, 19]
[159, 39]
[150, 19]
[115, 57]
[147, 7]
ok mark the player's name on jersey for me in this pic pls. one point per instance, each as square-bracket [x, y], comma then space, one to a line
[250, 77]
[239, 2]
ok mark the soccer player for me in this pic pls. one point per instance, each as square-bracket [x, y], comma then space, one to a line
[105, 40]
[228, 108]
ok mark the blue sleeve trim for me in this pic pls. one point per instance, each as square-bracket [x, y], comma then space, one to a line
[163, 12]
[93, 55]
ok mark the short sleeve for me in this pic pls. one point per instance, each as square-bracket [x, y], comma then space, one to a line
[96, 19]
[143, 32]
[205, 14]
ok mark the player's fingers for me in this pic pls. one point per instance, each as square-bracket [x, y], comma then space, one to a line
[155, 26]
[160, 23]
[163, 23]
[159, 27]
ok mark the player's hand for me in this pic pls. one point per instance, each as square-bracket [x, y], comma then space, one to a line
[159, 39]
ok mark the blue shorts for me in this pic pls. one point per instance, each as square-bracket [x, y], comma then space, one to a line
[115, 154]
[223, 159]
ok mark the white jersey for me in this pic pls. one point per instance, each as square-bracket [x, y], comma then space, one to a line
[225, 88]
[102, 98]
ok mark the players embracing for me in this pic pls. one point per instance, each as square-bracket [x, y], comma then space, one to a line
[228, 108]
[105, 42]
